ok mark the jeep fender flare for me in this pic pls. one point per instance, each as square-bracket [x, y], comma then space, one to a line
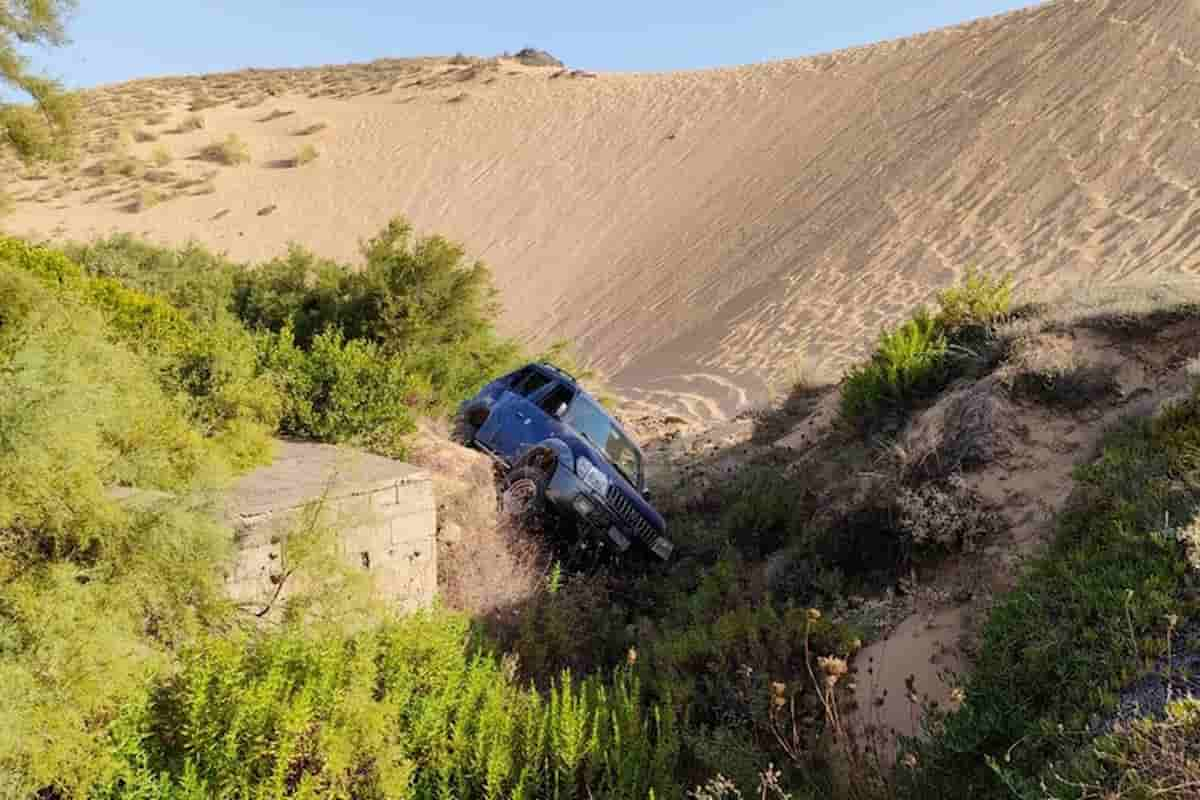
[547, 456]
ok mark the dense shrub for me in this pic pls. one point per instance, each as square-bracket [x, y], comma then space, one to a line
[417, 309]
[402, 710]
[45, 132]
[339, 389]
[93, 592]
[213, 367]
[1146, 758]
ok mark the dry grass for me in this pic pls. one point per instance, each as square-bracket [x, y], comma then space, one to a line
[316, 127]
[230, 151]
[144, 136]
[156, 118]
[274, 115]
[201, 102]
[161, 156]
[484, 566]
[160, 176]
[148, 198]
[192, 122]
[307, 155]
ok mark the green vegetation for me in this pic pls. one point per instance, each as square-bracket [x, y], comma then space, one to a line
[93, 593]
[1145, 759]
[45, 129]
[917, 359]
[129, 365]
[128, 671]
[1088, 616]
[402, 710]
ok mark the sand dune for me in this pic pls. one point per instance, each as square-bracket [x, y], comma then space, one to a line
[700, 234]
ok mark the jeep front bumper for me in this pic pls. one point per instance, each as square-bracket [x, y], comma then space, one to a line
[569, 494]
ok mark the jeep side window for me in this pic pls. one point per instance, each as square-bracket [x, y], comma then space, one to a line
[530, 383]
[558, 396]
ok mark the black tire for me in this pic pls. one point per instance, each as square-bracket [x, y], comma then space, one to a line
[466, 424]
[523, 498]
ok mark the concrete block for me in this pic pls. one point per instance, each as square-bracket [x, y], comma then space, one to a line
[383, 512]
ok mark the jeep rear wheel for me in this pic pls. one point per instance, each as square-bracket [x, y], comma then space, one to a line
[466, 425]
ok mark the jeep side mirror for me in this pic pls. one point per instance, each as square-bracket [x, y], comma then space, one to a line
[647, 494]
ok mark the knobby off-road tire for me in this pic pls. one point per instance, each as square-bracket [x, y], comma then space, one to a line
[523, 499]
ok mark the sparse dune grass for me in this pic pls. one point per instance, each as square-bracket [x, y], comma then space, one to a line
[148, 198]
[230, 151]
[161, 156]
[156, 118]
[316, 127]
[202, 102]
[143, 136]
[307, 155]
[276, 114]
[192, 122]
[251, 102]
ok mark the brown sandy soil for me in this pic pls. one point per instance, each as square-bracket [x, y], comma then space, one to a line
[698, 233]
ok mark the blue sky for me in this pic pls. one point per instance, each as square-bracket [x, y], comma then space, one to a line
[119, 39]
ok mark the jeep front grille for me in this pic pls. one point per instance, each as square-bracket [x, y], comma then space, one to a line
[633, 519]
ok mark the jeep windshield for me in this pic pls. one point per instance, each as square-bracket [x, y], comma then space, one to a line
[596, 426]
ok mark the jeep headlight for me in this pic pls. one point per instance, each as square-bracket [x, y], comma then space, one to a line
[591, 476]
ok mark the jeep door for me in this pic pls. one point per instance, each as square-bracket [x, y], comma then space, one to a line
[511, 411]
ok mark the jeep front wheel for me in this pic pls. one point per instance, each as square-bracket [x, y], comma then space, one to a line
[524, 495]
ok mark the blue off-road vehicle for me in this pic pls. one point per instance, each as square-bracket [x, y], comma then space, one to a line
[564, 455]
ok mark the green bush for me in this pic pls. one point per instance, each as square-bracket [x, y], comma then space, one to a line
[978, 300]
[93, 592]
[43, 132]
[213, 366]
[1084, 620]
[191, 278]
[339, 389]
[403, 710]
[1146, 758]
[909, 365]
[918, 358]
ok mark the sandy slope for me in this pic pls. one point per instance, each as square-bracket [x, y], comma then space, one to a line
[699, 233]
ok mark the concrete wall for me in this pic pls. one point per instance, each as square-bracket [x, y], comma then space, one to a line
[382, 512]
